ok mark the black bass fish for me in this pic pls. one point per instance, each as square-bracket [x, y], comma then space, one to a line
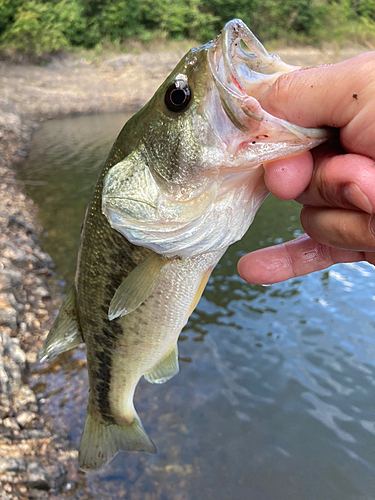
[183, 181]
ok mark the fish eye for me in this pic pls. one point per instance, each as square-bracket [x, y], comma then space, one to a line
[177, 96]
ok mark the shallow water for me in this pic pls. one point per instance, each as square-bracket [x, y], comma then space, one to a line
[276, 394]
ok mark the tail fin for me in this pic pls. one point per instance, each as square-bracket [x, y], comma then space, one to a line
[100, 442]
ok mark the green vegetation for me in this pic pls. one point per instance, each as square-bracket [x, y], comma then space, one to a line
[36, 27]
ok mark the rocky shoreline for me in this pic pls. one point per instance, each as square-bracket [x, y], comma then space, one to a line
[37, 461]
[25, 464]
[33, 458]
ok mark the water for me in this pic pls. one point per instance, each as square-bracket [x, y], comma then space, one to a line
[275, 397]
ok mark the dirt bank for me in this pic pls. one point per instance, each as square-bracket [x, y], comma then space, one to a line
[37, 461]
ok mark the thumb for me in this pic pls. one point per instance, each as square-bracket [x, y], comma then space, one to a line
[328, 95]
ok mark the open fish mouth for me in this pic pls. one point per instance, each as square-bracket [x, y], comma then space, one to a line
[243, 76]
[243, 72]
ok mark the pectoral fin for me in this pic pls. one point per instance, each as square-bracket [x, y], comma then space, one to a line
[65, 332]
[165, 369]
[137, 286]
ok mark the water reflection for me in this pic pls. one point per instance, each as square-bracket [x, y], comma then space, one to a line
[275, 397]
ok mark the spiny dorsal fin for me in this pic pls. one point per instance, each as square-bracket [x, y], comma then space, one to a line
[100, 442]
[137, 286]
[65, 332]
[164, 369]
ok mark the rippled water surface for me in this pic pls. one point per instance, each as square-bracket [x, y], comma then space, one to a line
[276, 394]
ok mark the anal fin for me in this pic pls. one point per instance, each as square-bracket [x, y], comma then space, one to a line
[137, 286]
[164, 369]
[65, 333]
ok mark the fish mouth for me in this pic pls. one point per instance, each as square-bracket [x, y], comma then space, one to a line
[245, 72]
[243, 76]
[240, 73]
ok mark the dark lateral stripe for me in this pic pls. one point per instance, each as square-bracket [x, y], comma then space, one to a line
[106, 340]
[103, 272]
[109, 331]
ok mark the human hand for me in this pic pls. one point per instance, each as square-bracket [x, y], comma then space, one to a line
[337, 190]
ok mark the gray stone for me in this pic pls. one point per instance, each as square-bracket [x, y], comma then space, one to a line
[10, 423]
[8, 315]
[17, 354]
[9, 278]
[26, 396]
[41, 292]
[56, 474]
[36, 477]
[12, 464]
[34, 434]
[24, 418]
[12, 349]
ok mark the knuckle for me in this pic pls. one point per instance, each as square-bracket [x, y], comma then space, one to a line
[283, 88]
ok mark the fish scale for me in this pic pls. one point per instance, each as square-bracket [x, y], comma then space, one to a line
[152, 330]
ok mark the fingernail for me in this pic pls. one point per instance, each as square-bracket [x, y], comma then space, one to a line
[357, 198]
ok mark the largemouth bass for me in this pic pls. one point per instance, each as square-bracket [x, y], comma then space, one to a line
[183, 181]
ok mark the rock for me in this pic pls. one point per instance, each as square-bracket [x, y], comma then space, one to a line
[8, 303]
[12, 464]
[8, 314]
[36, 477]
[17, 355]
[32, 357]
[26, 396]
[41, 292]
[29, 319]
[14, 254]
[9, 278]
[34, 434]
[4, 380]
[12, 364]
[25, 418]
[56, 474]
[15, 221]
[11, 423]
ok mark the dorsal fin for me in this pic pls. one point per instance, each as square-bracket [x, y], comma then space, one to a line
[65, 332]
[137, 286]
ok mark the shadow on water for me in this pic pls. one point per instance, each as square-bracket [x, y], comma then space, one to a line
[275, 397]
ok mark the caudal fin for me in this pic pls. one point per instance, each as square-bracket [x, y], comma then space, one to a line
[100, 443]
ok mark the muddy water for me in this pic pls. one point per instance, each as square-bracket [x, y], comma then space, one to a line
[276, 394]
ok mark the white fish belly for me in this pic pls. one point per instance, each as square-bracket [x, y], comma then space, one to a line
[152, 330]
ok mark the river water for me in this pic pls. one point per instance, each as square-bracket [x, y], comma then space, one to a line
[276, 394]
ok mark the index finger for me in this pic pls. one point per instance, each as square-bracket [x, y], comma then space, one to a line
[294, 258]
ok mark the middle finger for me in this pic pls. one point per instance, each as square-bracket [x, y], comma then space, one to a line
[341, 181]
